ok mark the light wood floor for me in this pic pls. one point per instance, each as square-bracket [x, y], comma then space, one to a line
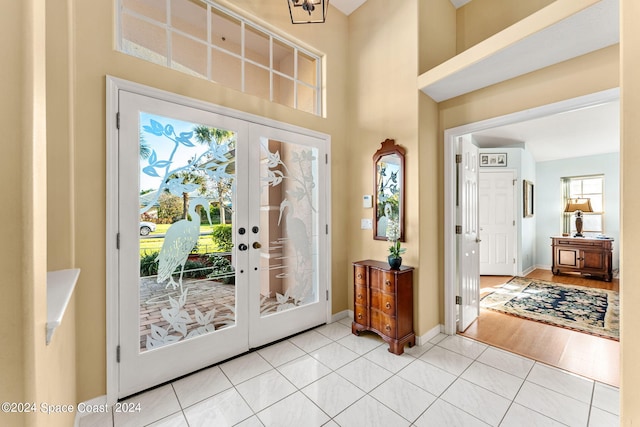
[577, 352]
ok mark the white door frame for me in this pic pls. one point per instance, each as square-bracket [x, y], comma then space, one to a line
[113, 86]
[450, 136]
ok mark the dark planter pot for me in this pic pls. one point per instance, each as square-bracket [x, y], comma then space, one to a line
[394, 262]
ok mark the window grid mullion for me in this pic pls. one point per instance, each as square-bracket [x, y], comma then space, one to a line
[168, 33]
[209, 43]
[295, 78]
[243, 30]
[271, 86]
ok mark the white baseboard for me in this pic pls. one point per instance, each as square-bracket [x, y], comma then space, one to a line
[341, 315]
[100, 401]
[433, 332]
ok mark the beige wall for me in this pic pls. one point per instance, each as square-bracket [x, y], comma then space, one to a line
[30, 370]
[14, 22]
[629, 231]
[436, 33]
[480, 19]
[383, 104]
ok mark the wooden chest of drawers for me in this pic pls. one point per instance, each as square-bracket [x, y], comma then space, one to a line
[383, 303]
[586, 256]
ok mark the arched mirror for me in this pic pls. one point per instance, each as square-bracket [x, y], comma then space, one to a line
[388, 170]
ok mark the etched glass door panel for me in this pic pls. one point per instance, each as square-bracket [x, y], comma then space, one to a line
[289, 291]
[187, 189]
[289, 223]
[182, 297]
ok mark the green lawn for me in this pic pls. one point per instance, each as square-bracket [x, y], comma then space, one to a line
[150, 244]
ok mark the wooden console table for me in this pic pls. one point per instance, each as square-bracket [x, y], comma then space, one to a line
[582, 255]
[383, 303]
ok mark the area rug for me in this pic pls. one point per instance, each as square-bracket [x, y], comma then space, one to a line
[590, 310]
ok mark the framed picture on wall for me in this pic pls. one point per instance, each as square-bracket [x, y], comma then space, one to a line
[527, 198]
[493, 160]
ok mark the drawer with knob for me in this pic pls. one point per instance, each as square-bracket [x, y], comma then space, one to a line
[383, 302]
[360, 276]
[360, 295]
[383, 323]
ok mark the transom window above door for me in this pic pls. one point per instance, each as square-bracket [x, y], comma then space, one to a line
[203, 39]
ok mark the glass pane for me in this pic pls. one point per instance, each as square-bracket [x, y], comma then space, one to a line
[190, 16]
[283, 90]
[188, 56]
[256, 45]
[225, 32]
[596, 203]
[153, 9]
[187, 190]
[256, 81]
[306, 99]
[592, 186]
[226, 70]
[283, 56]
[592, 223]
[144, 40]
[575, 188]
[289, 220]
[307, 69]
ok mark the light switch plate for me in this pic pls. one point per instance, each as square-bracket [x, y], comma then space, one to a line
[367, 201]
[366, 224]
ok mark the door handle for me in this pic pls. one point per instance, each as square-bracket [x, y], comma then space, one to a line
[256, 245]
[478, 240]
[242, 247]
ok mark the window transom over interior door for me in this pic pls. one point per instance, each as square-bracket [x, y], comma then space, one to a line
[222, 240]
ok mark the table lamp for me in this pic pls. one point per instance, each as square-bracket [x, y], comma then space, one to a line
[578, 206]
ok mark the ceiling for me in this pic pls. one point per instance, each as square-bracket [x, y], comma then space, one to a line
[582, 132]
[348, 6]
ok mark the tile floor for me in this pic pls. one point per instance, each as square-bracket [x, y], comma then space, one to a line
[329, 377]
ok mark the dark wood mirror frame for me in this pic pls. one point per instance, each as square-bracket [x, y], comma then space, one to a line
[393, 151]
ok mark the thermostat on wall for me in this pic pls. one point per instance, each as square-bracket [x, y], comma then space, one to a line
[366, 201]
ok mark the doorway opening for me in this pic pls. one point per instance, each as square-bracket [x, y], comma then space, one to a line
[453, 270]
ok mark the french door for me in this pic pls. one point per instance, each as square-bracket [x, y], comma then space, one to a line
[222, 240]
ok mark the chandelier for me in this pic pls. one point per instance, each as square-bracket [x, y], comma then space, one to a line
[308, 11]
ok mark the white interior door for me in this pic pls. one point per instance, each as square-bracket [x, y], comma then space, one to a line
[187, 300]
[497, 223]
[468, 244]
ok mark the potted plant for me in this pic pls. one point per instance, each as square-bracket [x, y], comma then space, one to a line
[393, 235]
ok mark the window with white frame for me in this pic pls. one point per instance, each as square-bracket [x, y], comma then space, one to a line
[584, 187]
[203, 39]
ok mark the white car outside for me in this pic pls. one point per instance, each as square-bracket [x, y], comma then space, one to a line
[146, 228]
